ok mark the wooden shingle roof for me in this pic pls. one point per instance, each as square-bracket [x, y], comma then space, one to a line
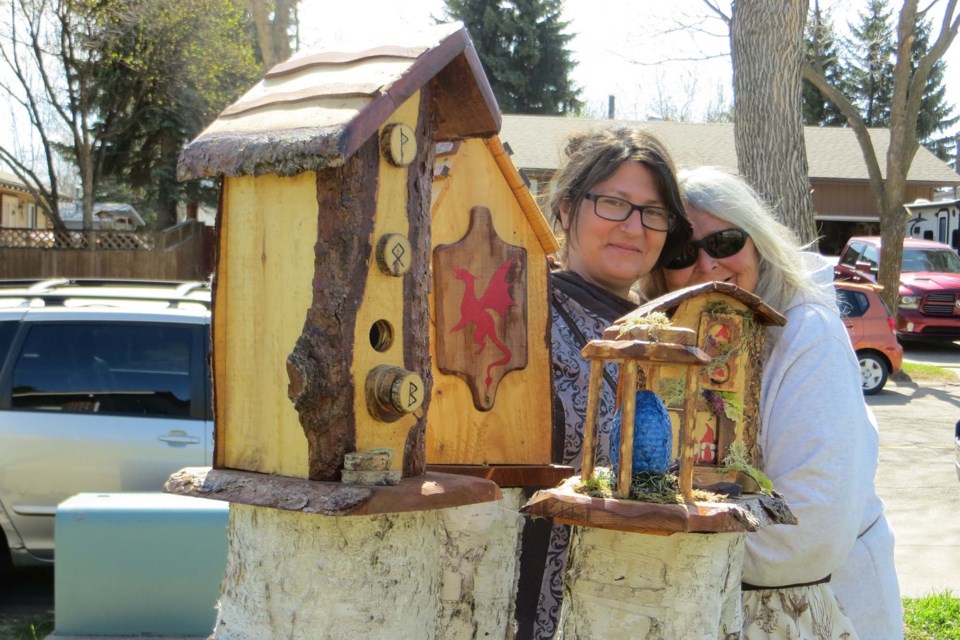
[317, 109]
[766, 314]
[832, 152]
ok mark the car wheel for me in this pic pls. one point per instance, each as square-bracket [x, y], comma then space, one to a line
[873, 372]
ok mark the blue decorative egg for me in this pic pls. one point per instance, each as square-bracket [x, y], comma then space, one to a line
[652, 435]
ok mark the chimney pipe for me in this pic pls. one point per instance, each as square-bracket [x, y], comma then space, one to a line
[612, 110]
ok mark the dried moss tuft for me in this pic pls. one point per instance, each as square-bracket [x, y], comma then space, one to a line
[657, 488]
[738, 460]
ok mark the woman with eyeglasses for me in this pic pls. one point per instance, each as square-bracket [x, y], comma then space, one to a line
[818, 439]
[616, 201]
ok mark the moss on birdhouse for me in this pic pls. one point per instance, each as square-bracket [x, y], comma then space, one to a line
[657, 488]
[737, 460]
[671, 391]
[651, 323]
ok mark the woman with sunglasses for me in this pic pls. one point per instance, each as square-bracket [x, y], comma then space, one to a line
[616, 200]
[818, 439]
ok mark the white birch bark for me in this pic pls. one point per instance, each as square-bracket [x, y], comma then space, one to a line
[631, 585]
[480, 566]
[304, 576]
[450, 573]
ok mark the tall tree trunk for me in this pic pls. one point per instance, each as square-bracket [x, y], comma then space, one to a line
[904, 110]
[167, 195]
[766, 43]
[261, 20]
[273, 34]
[282, 17]
[88, 189]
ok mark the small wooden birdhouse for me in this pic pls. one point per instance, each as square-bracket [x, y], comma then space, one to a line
[490, 341]
[728, 323]
[700, 351]
[322, 293]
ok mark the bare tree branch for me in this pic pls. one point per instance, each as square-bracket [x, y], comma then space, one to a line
[715, 7]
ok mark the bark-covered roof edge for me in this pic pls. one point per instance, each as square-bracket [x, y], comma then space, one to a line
[285, 153]
[765, 313]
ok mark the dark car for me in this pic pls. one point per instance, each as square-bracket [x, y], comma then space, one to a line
[929, 303]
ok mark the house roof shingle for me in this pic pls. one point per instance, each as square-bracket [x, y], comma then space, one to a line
[10, 181]
[832, 152]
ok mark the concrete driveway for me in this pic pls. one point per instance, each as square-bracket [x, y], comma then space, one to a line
[917, 479]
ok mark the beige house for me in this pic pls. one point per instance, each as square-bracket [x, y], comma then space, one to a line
[18, 208]
[842, 202]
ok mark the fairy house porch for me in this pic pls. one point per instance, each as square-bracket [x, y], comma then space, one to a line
[640, 562]
[373, 314]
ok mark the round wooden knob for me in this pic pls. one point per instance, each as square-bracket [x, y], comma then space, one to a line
[393, 392]
[394, 254]
[399, 144]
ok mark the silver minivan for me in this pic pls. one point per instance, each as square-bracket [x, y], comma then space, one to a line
[104, 387]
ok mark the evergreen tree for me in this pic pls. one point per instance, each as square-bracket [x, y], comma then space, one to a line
[165, 69]
[936, 115]
[821, 50]
[863, 70]
[523, 46]
[869, 68]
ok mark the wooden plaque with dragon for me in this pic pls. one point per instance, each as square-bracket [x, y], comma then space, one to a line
[481, 306]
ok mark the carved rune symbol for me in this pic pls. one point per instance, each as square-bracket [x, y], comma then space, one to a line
[398, 253]
[412, 399]
[474, 310]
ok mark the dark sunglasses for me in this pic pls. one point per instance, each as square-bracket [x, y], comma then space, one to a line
[721, 244]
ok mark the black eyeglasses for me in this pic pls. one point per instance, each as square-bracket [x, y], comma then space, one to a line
[721, 244]
[617, 210]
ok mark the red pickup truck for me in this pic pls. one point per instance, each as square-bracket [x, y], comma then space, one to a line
[929, 303]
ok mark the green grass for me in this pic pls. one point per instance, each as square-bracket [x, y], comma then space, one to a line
[26, 629]
[928, 373]
[935, 617]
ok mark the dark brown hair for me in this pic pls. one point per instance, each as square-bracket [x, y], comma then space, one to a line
[593, 157]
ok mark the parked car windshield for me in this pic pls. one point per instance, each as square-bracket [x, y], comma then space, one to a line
[941, 261]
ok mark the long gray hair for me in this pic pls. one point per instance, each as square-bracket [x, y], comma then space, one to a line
[783, 268]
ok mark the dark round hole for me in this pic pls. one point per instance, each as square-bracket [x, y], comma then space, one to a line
[381, 335]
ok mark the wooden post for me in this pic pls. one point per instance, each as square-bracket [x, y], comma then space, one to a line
[652, 375]
[687, 442]
[590, 425]
[628, 408]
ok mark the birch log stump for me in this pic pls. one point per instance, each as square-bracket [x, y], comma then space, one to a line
[480, 567]
[304, 576]
[630, 585]
[446, 573]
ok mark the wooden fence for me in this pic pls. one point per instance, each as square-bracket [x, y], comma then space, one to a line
[178, 253]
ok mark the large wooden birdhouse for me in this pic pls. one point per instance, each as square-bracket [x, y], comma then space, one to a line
[322, 292]
[491, 342]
